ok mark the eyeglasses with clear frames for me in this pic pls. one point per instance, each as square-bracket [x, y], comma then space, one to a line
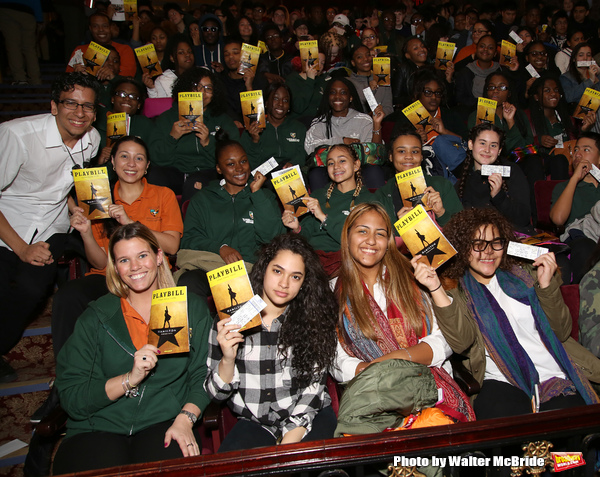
[73, 105]
[208, 88]
[481, 245]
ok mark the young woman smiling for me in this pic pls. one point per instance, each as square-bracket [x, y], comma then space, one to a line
[509, 195]
[363, 77]
[124, 407]
[383, 314]
[282, 138]
[578, 78]
[510, 321]
[229, 222]
[273, 377]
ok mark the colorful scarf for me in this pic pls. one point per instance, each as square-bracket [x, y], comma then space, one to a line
[393, 333]
[504, 348]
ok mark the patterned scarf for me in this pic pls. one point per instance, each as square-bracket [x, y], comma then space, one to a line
[503, 346]
[392, 333]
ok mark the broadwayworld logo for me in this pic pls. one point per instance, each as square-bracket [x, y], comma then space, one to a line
[567, 460]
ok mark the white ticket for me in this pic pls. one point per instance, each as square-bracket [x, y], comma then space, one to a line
[488, 170]
[560, 144]
[595, 172]
[248, 311]
[266, 167]
[531, 70]
[370, 97]
[514, 36]
[77, 59]
[585, 64]
[530, 252]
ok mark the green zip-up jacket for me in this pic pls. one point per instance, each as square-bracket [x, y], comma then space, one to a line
[186, 154]
[285, 144]
[389, 197]
[306, 93]
[243, 221]
[327, 236]
[100, 348]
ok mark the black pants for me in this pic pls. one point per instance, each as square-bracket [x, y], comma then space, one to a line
[23, 290]
[69, 302]
[98, 450]
[499, 399]
[249, 435]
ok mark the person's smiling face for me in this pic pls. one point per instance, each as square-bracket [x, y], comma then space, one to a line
[483, 264]
[406, 153]
[368, 241]
[339, 99]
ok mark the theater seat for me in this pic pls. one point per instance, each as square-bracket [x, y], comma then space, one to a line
[543, 202]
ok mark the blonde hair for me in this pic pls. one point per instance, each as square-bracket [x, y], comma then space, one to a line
[398, 282]
[127, 232]
[357, 175]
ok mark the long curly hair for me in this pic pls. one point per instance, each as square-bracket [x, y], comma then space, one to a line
[398, 282]
[467, 225]
[309, 329]
[468, 162]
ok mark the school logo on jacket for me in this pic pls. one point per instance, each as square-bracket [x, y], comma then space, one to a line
[249, 220]
[293, 138]
[154, 212]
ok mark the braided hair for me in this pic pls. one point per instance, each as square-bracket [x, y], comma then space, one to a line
[357, 174]
[468, 163]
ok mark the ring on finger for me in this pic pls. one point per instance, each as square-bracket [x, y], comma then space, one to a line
[144, 358]
[190, 444]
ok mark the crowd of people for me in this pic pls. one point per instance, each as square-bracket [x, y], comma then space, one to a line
[342, 293]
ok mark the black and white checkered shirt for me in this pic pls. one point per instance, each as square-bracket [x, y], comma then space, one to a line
[262, 389]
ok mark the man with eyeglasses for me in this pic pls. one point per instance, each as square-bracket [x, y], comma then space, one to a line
[38, 155]
[210, 53]
[275, 64]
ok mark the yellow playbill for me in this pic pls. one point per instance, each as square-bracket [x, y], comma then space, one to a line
[168, 328]
[291, 190]
[231, 288]
[148, 59]
[412, 185]
[94, 57]
[250, 56]
[253, 108]
[444, 54]
[117, 126]
[423, 237]
[92, 188]
[382, 71]
[417, 114]
[508, 51]
[590, 100]
[309, 54]
[191, 108]
[486, 110]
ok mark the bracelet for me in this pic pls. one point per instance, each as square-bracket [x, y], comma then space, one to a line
[190, 415]
[440, 286]
[408, 353]
[324, 223]
[377, 131]
[131, 391]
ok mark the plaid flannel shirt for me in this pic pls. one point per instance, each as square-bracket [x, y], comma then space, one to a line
[262, 389]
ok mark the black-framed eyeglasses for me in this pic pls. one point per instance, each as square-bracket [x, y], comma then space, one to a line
[270, 37]
[73, 105]
[501, 87]
[211, 29]
[480, 245]
[124, 94]
[428, 93]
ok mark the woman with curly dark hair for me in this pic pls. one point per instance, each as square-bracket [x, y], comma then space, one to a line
[510, 321]
[509, 195]
[273, 377]
[187, 148]
[383, 314]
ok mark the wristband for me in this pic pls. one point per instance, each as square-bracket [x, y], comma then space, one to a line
[408, 353]
[377, 131]
[439, 286]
